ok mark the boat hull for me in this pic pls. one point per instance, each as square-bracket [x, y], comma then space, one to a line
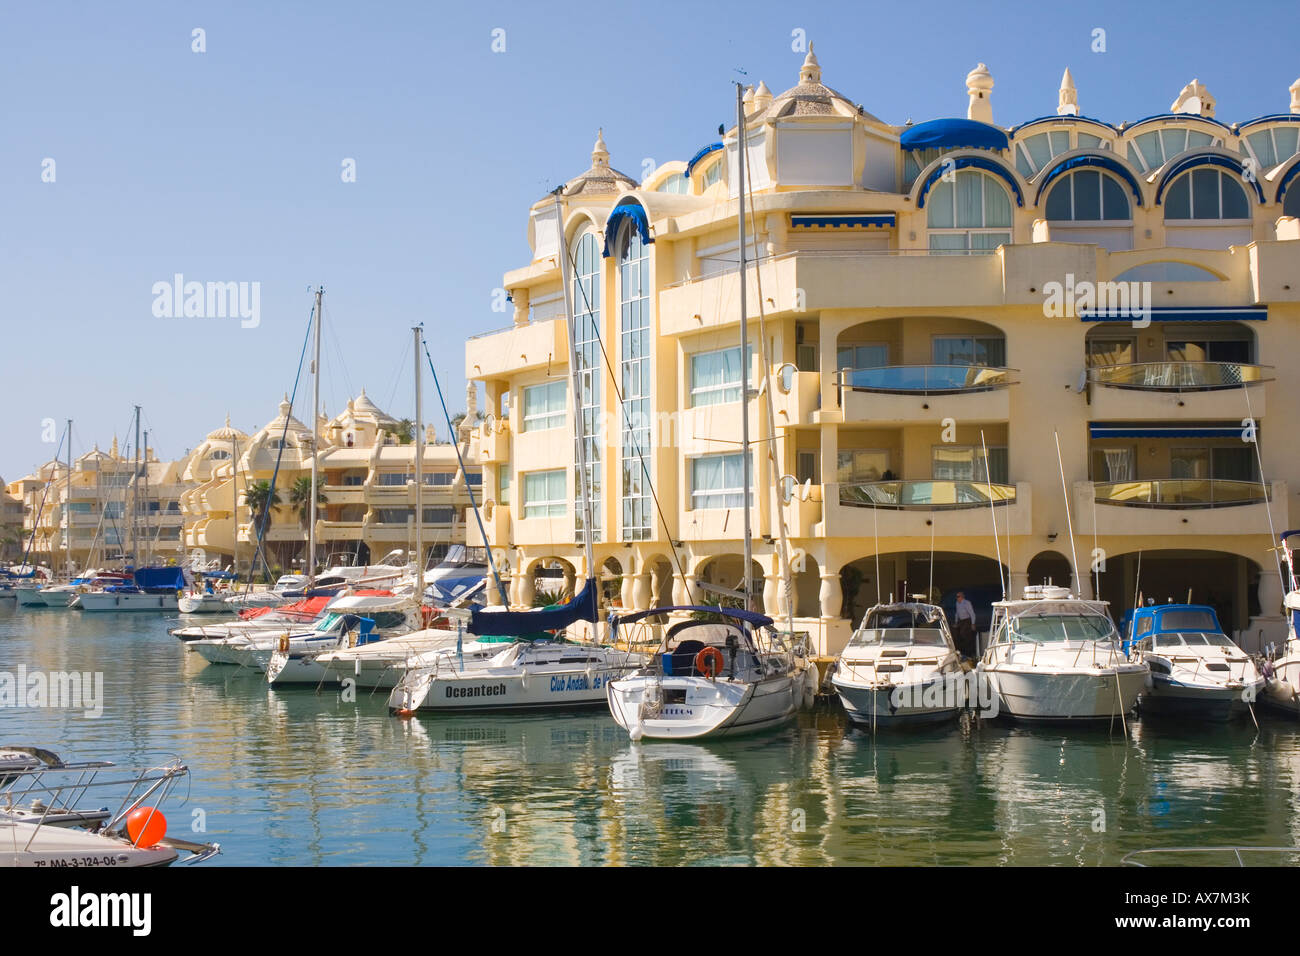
[482, 690]
[709, 709]
[108, 601]
[1066, 696]
[33, 845]
[1282, 688]
[875, 706]
[1216, 703]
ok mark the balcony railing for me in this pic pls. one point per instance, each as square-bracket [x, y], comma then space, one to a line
[1179, 376]
[1180, 493]
[926, 379]
[926, 495]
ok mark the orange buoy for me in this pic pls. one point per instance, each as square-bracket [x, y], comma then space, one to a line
[146, 826]
[709, 662]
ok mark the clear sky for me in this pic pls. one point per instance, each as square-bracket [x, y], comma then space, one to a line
[226, 165]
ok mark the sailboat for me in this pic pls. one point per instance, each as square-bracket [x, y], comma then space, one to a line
[1282, 670]
[537, 668]
[721, 671]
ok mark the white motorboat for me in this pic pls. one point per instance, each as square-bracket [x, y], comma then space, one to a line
[525, 675]
[65, 595]
[298, 615]
[203, 602]
[1055, 657]
[1197, 672]
[721, 672]
[155, 589]
[382, 664]
[901, 666]
[1282, 669]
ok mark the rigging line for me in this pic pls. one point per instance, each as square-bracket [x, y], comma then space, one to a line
[473, 503]
[44, 494]
[1074, 568]
[337, 343]
[398, 375]
[622, 403]
[1268, 501]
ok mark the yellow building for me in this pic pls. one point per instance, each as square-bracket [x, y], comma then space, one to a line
[931, 308]
[366, 473]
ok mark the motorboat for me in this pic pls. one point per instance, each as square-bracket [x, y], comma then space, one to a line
[720, 672]
[1056, 657]
[205, 597]
[64, 595]
[42, 825]
[154, 589]
[298, 614]
[460, 570]
[1282, 667]
[901, 666]
[1197, 672]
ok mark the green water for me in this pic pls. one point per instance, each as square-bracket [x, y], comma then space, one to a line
[298, 777]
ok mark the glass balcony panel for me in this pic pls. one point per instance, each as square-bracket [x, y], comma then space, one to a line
[1180, 493]
[925, 494]
[927, 379]
[1178, 376]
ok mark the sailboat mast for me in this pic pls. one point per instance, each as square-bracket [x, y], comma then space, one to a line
[419, 465]
[67, 508]
[744, 347]
[315, 443]
[575, 374]
[135, 496]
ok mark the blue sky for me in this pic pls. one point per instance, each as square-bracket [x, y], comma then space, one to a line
[225, 165]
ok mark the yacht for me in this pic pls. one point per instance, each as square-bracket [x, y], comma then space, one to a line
[1197, 671]
[154, 589]
[462, 569]
[901, 666]
[1055, 657]
[721, 672]
[299, 614]
[64, 595]
[1282, 670]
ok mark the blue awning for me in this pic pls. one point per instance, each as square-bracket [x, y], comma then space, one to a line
[976, 162]
[1270, 118]
[1204, 159]
[1223, 313]
[1058, 120]
[885, 220]
[704, 151]
[628, 210]
[1100, 160]
[1289, 175]
[953, 134]
[486, 623]
[1165, 431]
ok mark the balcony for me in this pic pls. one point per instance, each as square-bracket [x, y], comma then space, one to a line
[496, 523]
[1178, 390]
[916, 509]
[340, 530]
[345, 494]
[1179, 506]
[918, 394]
[494, 441]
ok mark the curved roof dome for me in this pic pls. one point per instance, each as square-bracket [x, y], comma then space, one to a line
[226, 433]
[811, 98]
[601, 178]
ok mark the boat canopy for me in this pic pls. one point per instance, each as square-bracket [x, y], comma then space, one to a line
[749, 617]
[165, 579]
[485, 622]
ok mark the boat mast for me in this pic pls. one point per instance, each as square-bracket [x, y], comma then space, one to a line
[148, 539]
[416, 331]
[234, 510]
[135, 496]
[67, 508]
[315, 444]
[744, 346]
[575, 374]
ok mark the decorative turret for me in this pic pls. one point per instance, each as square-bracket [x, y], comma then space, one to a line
[1194, 99]
[763, 97]
[1068, 102]
[811, 71]
[600, 152]
[979, 85]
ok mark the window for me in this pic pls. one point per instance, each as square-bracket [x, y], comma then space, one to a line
[218, 454]
[1035, 152]
[1103, 352]
[806, 467]
[716, 376]
[972, 214]
[717, 481]
[966, 463]
[634, 353]
[1232, 463]
[870, 355]
[1235, 351]
[352, 481]
[438, 515]
[544, 406]
[988, 351]
[854, 465]
[503, 484]
[394, 478]
[1206, 194]
[1087, 196]
[474, 478]
[676, 183]
[586, 306]
[712, 174]
[394, 515]
[1153, 149]
[438, 479]
[1273, 146]
[544, 494]
[1291, 201]
[1114, 464]
[114, 509]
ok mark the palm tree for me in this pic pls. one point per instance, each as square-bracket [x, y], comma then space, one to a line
[404, 431]
[261, 498]
[300, 499]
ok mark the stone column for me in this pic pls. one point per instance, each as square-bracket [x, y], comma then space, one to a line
[684, 591]
[771, 594]
[520, 299]
[640, 589]
[829, 596]
[524, 590]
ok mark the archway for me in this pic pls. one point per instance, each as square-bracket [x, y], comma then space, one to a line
[905, 574]
[724, 573]
[1049, 567]
[1227, 582]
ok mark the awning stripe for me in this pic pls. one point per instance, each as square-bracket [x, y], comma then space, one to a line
[1092, 159]
[1227, 313]
[878, 220]
[1205, 159]
[962, 162]
[1164, 431]
[704, 151]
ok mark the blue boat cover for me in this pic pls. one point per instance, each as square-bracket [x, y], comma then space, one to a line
[485, 623]
[167, 579]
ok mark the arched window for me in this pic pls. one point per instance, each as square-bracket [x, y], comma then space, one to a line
[676, 183]
[218, 454]
[634, 366]
[586, 332]
[1206, 193]
[970, 212]
[1087, 196]
[1291, 201]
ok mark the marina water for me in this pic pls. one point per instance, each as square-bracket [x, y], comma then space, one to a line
[299, 777]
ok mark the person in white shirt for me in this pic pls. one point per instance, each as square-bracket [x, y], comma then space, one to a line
[964, 625]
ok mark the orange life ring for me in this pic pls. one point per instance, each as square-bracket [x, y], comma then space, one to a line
[706, 657]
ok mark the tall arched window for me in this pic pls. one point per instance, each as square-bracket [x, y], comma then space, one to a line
[1089, 206]
[969, 213]
[634, 365]
[1291, 201]
[1206, 193]
[586, 333]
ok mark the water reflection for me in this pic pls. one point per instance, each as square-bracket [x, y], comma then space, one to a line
[304, 776]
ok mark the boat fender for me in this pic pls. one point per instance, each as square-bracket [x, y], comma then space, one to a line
[523, 678]
[709, 662]
[1149, 681]
[283, 644]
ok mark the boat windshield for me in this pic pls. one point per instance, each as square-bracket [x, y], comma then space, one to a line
[895, 636]
[1187, 620]
[1191, 639]
[1049, 628]
[327, 622]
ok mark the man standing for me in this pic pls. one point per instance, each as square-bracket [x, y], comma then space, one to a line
[965, 625]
